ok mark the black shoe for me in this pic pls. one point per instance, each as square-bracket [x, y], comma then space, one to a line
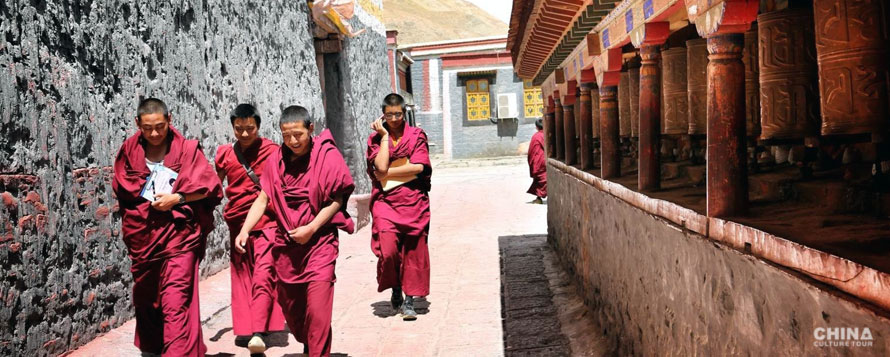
[408, 313]
[396, 299]
[538, 201]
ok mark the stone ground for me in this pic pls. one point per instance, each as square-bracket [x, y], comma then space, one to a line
[481, 222]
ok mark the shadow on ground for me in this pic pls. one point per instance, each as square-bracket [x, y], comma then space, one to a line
[383, 309]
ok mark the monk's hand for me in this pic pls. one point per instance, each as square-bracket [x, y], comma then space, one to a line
[165, 201]
[377, 126]
[302, 234]
[241, 242]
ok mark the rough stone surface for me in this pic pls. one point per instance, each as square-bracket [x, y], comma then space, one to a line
[657, 289]
[72, 76]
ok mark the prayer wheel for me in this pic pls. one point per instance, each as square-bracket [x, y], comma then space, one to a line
[697, 85]
[752, 84]
[624, 105]
[853, 48]
[633, 71]
[788, 76]
[595, 111]
[675, 108]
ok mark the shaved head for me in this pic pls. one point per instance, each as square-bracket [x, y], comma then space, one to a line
[151, 106]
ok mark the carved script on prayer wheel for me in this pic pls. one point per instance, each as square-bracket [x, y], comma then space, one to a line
[595, 111]
[624, 105]
[854, 59]
[697, 85]
[675, 108]
[752, 84]
[634, 87]
[788, 75]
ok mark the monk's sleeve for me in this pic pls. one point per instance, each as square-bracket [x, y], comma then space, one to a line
[126, 185]
[421, 155]
[198, 176]
[336, 178]
[219, 160]
[537, 160]
[371, 155]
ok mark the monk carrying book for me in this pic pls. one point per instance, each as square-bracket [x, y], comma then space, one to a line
[399, 166]
[166, 233]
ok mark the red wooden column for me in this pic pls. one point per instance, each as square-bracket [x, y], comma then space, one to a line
[558, 130]
[650, 119]
[727, 176]
[611, 157]
[568, 110]
[548, 129]
[586, 131]
[649, 38]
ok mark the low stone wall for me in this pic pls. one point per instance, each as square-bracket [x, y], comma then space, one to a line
[657, 288]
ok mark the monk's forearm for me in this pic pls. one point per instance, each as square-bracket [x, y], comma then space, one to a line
[381, 162]
[405, 170]
[326, 213]
[192, 197]
[257, 209]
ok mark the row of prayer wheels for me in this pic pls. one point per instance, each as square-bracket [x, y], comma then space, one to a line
[808, 71]
[802, 73]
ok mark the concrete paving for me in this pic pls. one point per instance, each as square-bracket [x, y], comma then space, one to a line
[471, 208]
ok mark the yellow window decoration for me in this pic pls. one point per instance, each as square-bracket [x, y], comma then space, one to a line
[478, 105]
[534, 101]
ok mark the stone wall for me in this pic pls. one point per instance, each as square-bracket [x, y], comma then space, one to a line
[72, 76]
[364, 81]
[659, 289]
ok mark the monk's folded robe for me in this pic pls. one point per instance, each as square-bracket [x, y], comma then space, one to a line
[298, 190]
[401, 217]
[254, 295]
[537, 165]
[166, 247]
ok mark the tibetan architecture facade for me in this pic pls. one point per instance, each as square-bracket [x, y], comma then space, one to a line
[458, 87]
[723, 187]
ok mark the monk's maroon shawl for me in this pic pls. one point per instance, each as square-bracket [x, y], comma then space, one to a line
[406, 208]
[297, 191]
[537, 165]
[149, 234]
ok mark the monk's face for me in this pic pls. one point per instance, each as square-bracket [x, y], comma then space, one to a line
[246, 130]
[394, 116]
[297, 137]
[154, 127]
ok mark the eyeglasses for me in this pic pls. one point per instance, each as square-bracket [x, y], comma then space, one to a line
[394, 115]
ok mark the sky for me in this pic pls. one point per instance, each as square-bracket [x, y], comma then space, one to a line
[498, 8]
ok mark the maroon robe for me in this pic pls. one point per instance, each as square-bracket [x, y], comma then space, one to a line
[297, 191]
[401, 217]
[166, 247]
[537, 165]
[254, 305]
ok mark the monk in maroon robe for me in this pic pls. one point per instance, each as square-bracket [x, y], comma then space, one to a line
[255, 310]
[165, 238]
[306, 183]
[537, 164]
[401, 215]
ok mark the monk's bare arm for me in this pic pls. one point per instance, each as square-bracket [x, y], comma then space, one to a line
[191, 197]
[253, 216]
[255, 213]
[326, 213]
[404, 170]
